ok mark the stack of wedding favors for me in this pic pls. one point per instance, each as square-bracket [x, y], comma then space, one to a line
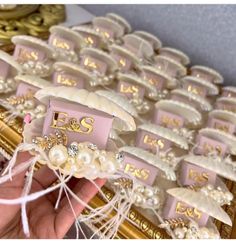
[172, 125]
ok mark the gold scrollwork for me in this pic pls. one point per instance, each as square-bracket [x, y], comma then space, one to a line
[32, 20]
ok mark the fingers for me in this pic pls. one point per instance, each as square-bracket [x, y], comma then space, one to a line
[85, 190]
[45, 176]
[18, 179]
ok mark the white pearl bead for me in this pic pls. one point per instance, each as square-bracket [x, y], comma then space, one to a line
[148, 192]
[179, 233]
[84, 157]
[41, 108]
[58, 154]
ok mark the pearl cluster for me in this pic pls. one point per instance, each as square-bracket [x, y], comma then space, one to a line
[220, 196]
[7, 85]
[39, 68]
[85, 159]
[99, 79]
[147, 197]
[68, 55]
[31, 107]
[193, 231]
[169, 158]
[186, 133]
[161, 94]
[140, 105]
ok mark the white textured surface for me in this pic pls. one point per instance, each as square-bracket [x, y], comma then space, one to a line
[207, 33]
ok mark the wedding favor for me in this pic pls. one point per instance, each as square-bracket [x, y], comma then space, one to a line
[23, 103]
[175, 114]
[197, 101]
[174, 54]
[226, 103]
[100, 64]
[35, 55]
[206, 73]
[70, 74]
[82, 115]
[223, 120]
[9, 68]
[136, 89]
[169, 66]
[145, 166]
[91, 37]
[214, 141]
[121, 21]
[152, 39]
[126, 60]
[66, 43]
[160, 80]
[109, 28]
[229, 91]
[201, 170]
[199, 86]
[139, 46]
[191, 205]
[155, 138]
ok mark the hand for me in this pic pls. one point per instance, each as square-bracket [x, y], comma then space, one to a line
[44, 221]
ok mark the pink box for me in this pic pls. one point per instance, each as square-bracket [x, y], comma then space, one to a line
[206, 145]
[225, 106]
[221, 125]
[25, 53]
[24, 88]
[196, 89]
[176, 209]
[80, 123]
[66, 79]
[123, 62]
[139, 169]
[191, 174]
[227, 93]
[4, 69]
[167, 119]
[154, 79]
[94, 64]
[91, 40]
[150, 141]
[202, 75]
[60, 42]
[129, 89]
[167, 67]
[105, 31]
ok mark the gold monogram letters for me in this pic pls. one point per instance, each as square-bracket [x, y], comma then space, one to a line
[187, 211]
[198, 176]
[60, 44]
[61, 121]
[153, 142]
[208, 148]
[195, 90]
[223, 127]
[168, 121]
[131, 89]
[139, 173]
[66, 80]
[28, 55]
